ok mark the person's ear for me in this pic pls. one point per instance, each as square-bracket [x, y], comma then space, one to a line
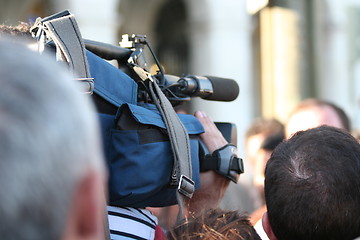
[87, 209]
[267, 227]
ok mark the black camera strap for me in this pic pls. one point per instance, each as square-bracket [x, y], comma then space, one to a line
[62, 30]
[179, 139]
[180, 143]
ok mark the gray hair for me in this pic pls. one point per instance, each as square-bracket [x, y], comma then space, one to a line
[49, 138]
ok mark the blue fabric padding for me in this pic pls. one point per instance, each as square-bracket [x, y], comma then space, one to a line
[139, 173]
[110, 82]
[152, 117]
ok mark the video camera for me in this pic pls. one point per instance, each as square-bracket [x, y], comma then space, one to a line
[135, 131]
[178, 90]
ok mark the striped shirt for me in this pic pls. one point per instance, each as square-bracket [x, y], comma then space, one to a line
[131, 223]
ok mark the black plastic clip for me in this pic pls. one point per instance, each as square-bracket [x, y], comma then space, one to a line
[186, 186]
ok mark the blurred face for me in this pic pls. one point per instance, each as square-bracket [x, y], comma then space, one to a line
[312, 117]
[258, 158]
[261, 159]
[253, 145]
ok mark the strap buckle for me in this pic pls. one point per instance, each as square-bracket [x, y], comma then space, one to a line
[186, 186]
[87, 85]
[142, 73]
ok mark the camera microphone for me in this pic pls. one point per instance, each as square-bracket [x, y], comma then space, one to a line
[207, 87]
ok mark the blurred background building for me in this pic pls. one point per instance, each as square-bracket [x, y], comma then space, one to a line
[279, 51]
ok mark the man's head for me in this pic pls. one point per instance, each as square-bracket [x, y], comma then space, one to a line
[51, 166]
[312, 113]
[312, 186]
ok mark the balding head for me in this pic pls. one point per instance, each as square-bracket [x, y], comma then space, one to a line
[312, 113]
[51, 162]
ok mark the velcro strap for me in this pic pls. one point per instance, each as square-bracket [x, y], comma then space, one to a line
[224, 161]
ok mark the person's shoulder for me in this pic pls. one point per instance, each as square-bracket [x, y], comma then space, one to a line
[131, 223]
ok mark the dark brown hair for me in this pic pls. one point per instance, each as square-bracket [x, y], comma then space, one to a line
[312, 186]
[21, 30]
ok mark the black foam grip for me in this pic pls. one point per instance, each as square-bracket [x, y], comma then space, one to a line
[107, 51]
[225, 89]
